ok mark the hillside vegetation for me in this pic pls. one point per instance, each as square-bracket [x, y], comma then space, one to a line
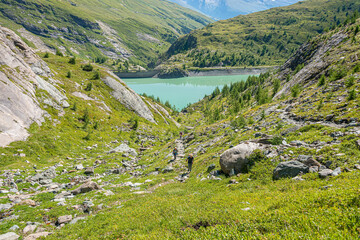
[305, 113]
[138, 29]
[259, 39]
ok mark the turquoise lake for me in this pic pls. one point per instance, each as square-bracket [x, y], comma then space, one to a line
[181, 91]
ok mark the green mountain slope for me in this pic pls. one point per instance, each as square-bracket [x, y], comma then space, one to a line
[117, 29]
[263, 38]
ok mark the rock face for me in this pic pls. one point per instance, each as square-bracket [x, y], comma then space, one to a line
[128, 97]
[312, 55]
[86, 187]
[289, 169]
[20, 71]
[236, 158]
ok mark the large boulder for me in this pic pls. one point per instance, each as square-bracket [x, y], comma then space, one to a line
[236, 158]
[289, 169]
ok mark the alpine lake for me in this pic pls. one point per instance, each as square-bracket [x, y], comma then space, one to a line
[180, 92]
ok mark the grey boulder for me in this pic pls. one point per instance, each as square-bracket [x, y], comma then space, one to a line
[236, 158]
[289, 169]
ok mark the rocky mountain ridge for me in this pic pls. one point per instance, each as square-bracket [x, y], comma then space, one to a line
[115, 30]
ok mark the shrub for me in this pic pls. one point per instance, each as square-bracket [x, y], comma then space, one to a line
[254, 157]
[88, 87]
[350, 82]
[74, 107]
[88, 67]
[87, 137]
[59, 53]
[338, 74]
[68, 75]
[96, 75]
[352, 95]
[356, 68]
[321, 104]
[298, 68]
[239, 122]
[277, 140]
[295, 90]
[276, 86]
[322, 80]
[46, 55]
[72, 60]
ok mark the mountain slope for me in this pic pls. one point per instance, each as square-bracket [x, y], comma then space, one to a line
[117, 29]
[264, 38]
[224, 9]
[34, 94]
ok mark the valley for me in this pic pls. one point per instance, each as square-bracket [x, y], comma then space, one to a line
[276, 154]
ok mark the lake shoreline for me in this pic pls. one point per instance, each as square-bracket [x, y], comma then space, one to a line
[196, 73]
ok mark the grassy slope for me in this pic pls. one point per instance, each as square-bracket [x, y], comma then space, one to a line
[160, 19]
[257, 207]
[264, 38]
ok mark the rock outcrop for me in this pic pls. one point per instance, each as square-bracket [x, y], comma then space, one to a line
[311, 54]
[20, 75]
[128, 97]
[236, 158]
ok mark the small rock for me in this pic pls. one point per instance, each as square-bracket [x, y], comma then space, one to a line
[357, 166]
[168, 169]
[75, 220]
[326, 187]
[29, 229]
[313, 169]
[86, 187]
[325, 173]
[9, 236]
[336, 172]
[35, 236]
[89, 171]
[14, 228]
[211, 167]
[298, 178]
[233, 181]
[64, 219]
[5, 206]
[79, 167]
[28, 202]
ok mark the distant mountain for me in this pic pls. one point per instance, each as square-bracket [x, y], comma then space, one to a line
[224, 9]
[136, 29]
